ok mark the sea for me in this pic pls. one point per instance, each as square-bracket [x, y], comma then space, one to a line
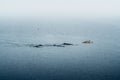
[97, 61]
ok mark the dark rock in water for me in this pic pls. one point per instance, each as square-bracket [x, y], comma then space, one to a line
[37, 46]
[67, 44]
[88, 42]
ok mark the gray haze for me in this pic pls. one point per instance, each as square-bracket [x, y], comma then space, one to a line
[55, 8]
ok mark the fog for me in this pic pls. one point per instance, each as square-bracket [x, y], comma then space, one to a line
[50, 30]
[74, 8]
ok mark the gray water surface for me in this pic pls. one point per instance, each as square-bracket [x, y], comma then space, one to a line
[97, 61]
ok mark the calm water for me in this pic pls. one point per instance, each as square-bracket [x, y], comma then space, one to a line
[98, 61]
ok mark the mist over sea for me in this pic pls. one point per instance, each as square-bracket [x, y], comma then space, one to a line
[97, 61]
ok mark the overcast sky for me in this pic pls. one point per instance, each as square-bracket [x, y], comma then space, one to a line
[60, 8]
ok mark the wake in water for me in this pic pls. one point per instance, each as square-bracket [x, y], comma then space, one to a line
[40, 41]
[18, 44]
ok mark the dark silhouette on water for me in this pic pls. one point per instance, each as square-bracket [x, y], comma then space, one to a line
[57, 45]
[37, 46]
[54, 45]
[67, 44]
[88, 42]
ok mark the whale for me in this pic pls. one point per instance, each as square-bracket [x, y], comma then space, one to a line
[67, 44]
[88, 42]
